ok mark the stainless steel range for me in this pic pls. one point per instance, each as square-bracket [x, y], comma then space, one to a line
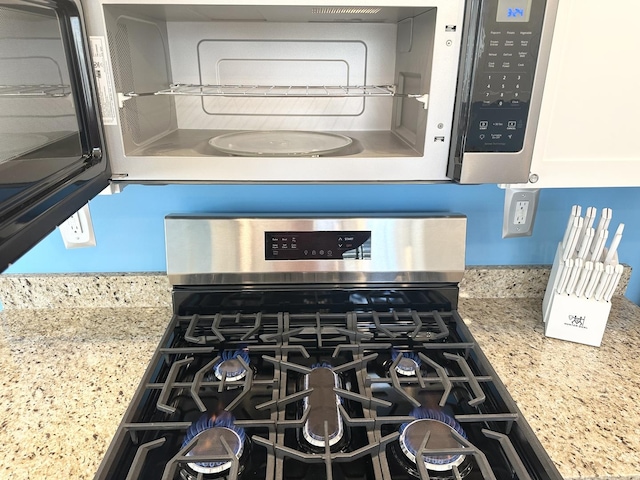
[320, 347]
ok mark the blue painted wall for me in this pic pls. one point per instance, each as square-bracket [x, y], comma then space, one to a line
[130, 232]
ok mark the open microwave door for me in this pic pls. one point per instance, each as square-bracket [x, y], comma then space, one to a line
[52, 159]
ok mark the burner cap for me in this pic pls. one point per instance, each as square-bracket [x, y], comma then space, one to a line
[322, 404]
[231, 366]
[440, 438]
[407, 367]
[209, 443]
[409, 363]
[209, 429]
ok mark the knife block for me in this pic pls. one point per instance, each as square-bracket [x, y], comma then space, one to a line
[572, 318]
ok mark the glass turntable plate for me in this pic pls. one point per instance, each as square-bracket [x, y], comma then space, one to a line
[279, 143]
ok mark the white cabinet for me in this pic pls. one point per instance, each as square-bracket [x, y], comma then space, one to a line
[589, 127]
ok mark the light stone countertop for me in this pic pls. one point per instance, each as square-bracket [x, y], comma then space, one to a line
[69, 372]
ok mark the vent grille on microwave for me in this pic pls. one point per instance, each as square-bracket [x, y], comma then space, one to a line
[345, 10]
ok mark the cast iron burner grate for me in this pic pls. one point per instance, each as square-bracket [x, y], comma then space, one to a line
[323, 394]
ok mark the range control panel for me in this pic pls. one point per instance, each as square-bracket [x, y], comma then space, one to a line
[318, 245]
[508, 44]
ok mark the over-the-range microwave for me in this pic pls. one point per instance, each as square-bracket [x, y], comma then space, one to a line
[103, 91]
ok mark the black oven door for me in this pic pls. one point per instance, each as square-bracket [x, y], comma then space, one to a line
[52, 158]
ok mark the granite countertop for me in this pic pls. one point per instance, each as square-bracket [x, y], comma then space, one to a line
[70, 362]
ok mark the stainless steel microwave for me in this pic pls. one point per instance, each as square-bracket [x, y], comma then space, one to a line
[105, 91]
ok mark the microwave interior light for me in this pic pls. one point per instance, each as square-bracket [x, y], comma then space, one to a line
[345, 10]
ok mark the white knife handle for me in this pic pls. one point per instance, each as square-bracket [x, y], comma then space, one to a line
[604, 280]
[577, 267]
[617, 274]
[598, 245]
[573, 237]
[584, 276]
[586, 243]
[605, 218]
[590, 217]
[598, 269]
[564, 276]
[567, 231]
[614, 244]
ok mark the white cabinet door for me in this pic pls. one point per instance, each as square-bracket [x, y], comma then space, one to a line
[589, 129]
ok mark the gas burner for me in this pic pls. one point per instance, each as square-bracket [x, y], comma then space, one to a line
[209, 430]
[231, 366]
[439, 426]
[409, 363]
[322, 405]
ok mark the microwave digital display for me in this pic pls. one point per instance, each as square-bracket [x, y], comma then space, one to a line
[513, 10]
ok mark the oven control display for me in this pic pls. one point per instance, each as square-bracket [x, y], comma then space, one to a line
[353, 245]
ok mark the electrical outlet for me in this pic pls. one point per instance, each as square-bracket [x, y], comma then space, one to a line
[77, 230]
[520, 205]
[520, 216]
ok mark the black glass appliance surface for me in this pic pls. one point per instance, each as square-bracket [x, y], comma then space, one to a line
[317, 245]
[503, 81]
[392, 364]
[51, 150]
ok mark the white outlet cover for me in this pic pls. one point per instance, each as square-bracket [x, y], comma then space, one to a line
[77, 230]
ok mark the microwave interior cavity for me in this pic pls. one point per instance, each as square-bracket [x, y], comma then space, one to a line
[186, 75]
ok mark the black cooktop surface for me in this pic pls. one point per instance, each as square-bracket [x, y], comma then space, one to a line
[343, 383]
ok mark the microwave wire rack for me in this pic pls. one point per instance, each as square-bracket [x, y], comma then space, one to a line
[261, 91]
[35, 91]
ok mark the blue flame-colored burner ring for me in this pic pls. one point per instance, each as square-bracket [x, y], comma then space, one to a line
[322, 365]
[442, 463]
[230, 365]
[224, 422]
[408, 365]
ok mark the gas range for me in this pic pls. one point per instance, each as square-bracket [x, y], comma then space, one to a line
[371, 379]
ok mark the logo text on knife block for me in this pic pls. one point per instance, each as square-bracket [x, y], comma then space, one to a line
[577, 321]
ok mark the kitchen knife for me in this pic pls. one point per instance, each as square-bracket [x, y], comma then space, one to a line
[584, 276]
[575, 212]
[573, 278]
[598, 245]
[586, 243]
[573, 237]
[614, 245]
[604, 280]
[598, 269]
[605, 218]
[589, 218]
[564, 276]
[617, 274]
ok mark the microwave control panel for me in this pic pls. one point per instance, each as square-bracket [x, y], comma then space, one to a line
[318, 245]
[508, 43]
